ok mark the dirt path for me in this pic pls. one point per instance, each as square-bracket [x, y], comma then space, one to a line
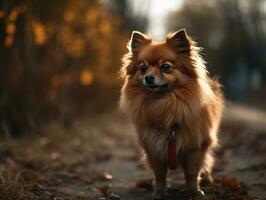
[98, 159]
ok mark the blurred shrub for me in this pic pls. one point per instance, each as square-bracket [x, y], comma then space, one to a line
[57, 59]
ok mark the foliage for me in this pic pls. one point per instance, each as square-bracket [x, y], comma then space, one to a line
[57, 57]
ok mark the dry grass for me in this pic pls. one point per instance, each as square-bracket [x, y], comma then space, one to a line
[59, 163]
[12, 182]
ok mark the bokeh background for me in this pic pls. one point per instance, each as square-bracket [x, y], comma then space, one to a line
[60, 59]
[61, 134]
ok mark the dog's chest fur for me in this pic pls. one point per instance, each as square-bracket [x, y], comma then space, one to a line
[155, 143]
[155, 118]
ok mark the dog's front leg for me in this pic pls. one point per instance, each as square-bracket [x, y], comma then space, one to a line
[160, 173]
[192, 166]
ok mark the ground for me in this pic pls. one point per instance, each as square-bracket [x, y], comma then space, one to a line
[99, 159]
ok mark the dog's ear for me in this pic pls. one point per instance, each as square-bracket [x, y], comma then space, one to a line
[137, 41]
[180, 41]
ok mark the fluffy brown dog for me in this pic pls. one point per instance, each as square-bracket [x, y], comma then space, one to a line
[173, 104]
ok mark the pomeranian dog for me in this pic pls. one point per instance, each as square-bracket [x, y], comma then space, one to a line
[175, 106]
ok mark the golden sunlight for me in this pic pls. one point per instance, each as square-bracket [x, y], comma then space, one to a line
[40, 32]
[86, 77]
[158, 12]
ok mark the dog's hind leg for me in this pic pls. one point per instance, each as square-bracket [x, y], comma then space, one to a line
[193, 162]
[207, 168]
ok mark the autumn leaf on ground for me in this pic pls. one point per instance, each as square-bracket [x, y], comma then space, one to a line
[108, 176]
[232, 183]
[144, 183]
[104, 189]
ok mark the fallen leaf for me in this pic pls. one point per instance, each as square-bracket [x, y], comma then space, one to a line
[233, 183]
[108, 176]
[144, 183]
[104, 189]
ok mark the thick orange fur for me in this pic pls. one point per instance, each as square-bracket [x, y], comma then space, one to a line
[192, 106]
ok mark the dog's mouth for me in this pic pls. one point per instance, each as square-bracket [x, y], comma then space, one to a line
[154, 87]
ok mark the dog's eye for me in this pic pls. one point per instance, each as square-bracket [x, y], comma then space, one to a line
[143, 68]
[166, 67]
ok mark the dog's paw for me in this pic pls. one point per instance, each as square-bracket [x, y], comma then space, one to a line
[196, 193]
[158, 195]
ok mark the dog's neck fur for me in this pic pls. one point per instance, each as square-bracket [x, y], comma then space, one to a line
[159, 112]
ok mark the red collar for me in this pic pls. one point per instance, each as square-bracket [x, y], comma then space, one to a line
[172, 157]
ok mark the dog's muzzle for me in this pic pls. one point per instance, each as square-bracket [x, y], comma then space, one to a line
[153, 84]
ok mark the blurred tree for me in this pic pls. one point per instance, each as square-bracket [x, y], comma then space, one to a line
[131, 20]
[57, 58]
[233, 35]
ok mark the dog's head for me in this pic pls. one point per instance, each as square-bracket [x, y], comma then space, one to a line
[161, 66]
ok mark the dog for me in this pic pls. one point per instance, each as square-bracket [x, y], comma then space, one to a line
[175, 106]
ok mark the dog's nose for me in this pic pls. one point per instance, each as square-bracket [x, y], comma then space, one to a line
[149, 79]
